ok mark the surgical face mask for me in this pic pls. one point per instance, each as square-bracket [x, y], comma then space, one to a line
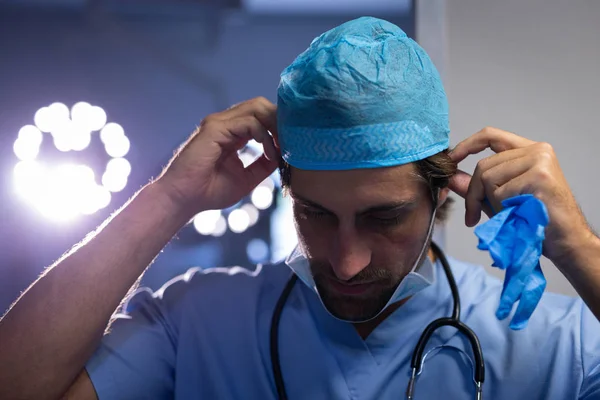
[410, 285]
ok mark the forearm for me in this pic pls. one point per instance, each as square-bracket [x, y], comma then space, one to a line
[582, 269]
[52, 330]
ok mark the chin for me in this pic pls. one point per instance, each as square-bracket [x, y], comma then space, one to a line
[353, 308]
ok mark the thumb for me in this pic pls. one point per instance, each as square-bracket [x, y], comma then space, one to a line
[259, 170]
[459, 183]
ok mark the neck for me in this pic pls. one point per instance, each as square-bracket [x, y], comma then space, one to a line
[364, 329]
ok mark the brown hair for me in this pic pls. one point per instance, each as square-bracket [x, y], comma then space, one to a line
[435, 171]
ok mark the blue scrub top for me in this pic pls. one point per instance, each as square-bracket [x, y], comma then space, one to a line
[205, 335]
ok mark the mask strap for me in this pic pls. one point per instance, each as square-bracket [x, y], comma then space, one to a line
[434, 195]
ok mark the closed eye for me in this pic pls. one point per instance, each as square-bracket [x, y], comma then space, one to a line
[313, 213]
[387, 221]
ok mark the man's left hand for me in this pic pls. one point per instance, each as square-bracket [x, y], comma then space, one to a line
[520, 166]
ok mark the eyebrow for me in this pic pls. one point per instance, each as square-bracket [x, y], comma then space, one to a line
[386, 207]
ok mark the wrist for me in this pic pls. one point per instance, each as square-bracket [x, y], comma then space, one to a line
[579, 252]
[168, 202]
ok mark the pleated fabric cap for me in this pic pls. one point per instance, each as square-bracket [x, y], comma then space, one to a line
[363, 95]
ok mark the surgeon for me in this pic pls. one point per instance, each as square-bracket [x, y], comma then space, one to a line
[360, 135]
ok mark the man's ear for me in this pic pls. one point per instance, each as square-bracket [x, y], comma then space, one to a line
[443, 196]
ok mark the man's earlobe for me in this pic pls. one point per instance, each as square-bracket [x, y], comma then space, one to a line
[443, 196]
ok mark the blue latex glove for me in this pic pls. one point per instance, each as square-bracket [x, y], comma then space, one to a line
[514, 239]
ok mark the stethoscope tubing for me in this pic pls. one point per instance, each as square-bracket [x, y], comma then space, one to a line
[417, 356]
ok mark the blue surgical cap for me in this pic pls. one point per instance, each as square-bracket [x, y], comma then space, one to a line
[363, 95]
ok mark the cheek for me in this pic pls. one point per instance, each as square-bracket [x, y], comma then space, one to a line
[403, 244]
[312, 237]
[315, 235]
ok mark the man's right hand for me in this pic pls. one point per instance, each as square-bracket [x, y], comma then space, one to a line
[206, 172]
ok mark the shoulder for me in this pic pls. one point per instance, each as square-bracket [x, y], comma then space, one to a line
[212, 289]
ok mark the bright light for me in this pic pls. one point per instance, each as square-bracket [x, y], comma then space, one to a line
[94, 198]
[84, 175]
[262, 197]
[25, 170]
[61, 193]
[68, 190]
[206, 221]
[257, 251]
[62, 142]
[238, 220]
[97, 118]
[25, 149]
[117, 146]
[114, 182]
[27, 145]
[111, 131]
[43, 119]
[220, 227]
[29, 176]
[88, 206]
[60, 111]
[62, 134]
[81, 113]
[31, 134]
[253, 213]
[80, 139]
[119, 166]
[49, 118]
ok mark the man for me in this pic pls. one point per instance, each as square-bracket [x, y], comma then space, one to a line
[361, 125]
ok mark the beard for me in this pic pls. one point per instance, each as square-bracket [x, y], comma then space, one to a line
[382, 282]
[365, 306]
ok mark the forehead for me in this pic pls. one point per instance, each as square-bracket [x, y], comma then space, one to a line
[357, 188]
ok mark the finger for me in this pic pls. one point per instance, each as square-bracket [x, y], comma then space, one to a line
[258, 171]
[490, 174]
[242, 129]
[459, 183]
[259, 107]
[522, 184]
[495, 139]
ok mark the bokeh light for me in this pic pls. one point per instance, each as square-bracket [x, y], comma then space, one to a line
[262, 197]
[61, 192]
[238, 220]
[220, 227]
[205, 222]
[117, 147]
[119, 166]
[257, 251]
[253, 213]
[111, 131]
[113, 181]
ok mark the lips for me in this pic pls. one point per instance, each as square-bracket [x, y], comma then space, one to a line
[353, 289]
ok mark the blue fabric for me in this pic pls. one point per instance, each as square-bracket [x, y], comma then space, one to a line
[363, 95]
[205, 335]
[514, 238]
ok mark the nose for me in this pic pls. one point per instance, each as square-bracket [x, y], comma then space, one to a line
[350, 253]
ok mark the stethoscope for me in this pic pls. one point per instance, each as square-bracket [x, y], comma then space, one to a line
[417, 356]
